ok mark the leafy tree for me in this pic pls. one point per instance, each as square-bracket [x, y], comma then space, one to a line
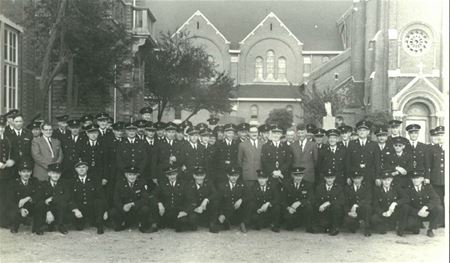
[281, 117]
[77, 38]
[313, 102]
[180, 74]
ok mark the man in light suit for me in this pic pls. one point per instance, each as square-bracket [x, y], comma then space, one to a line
[45, 150]
[249, 156]
[305, 153]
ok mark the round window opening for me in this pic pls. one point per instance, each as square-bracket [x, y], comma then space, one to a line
[416, 42]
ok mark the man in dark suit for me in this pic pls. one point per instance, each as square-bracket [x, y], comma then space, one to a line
[20, 139]
[319, 138]
[204, 200]
[233, 201]
[226, 154]
[264, 204]
[168, 149]
[105, 135]
[174, 202]
[6, 175]
[401, 162]
[297, 201]
[305, 154]
[424, 204]
[150, 171]
[88, 202]
[56, 197]
[146, 113]
[437, 162]
[132, 203]
[332, 155]
[345, 132]
[329, 204]
[389, 205]
[24, 200]
[361, 153]
[61, 133]
[94, 152]
[395, 129]
[358, 204]
[206, 138]
[276, 157]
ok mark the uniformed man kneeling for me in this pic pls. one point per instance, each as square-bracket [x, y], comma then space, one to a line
[88, 201]
[131, 203]
[24, 200]
[204, 200]
[298, 199]
[424, 204]
[174, 202]
[232, 202]
[329, 204]
[389, 205]
[264, 204]
[358, 199]
[56, 196]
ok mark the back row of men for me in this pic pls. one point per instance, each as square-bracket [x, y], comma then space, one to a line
[149, 149]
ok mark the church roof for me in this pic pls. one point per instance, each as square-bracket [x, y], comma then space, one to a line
[312, 22]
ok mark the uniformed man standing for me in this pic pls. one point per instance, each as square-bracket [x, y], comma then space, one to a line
[242, 132]
[332, 156]
[25, 199]
[233, 201]
[174, 202]
[297, 201]
[140, 124]
[276, 157]
[132, 203]
[131, 151]
[56, 197]
[394, 127]
[361, 153]
[226, 154]
[418, 151]
[345, 132]
[264, 204]
[319, 138]
[191, 154]
[151, 169]
[6, 172]
[146, 113]
[88, 202]
[437, 162]
[20, 140]
[206, 136]
[105, 135]
[383, 152]
[329, 204]
[204, 200]
[71, 149]
[424, 204]
[358, 200]
[94, 152]
[401, 162]
[390, 208]
[168, 149]
[61, 133]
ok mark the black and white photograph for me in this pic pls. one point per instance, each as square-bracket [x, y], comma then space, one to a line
[224, 131]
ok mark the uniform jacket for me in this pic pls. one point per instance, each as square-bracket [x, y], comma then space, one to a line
[273, 158]
[362, 197]
[382, 199]
[335, 196]
[85, 194]
[304, 193]
[426, 197]
[437, 165]
[124, 194]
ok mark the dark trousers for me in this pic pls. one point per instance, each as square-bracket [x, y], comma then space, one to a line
[35, 211]
[363, 213]
[170, 219]
[415, 221]
[381, 223]
[270, 217]
[208, 217]
[303, 215]
[59, 211]
[236, 216]
[92, 214]
[143, 216]
[330, 218]
[4, 183]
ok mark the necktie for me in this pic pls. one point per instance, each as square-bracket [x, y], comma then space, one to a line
[232, 186]
[50, 142]
[82, 180]
[333, 150]
[19, 133]
[25, 183]
[296, 186]
[345, 144]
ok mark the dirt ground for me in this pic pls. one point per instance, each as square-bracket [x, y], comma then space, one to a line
[229, 246]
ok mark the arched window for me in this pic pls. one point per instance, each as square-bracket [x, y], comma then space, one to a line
[259, 68]
[281, 68]
[254, 111]
[270, 65]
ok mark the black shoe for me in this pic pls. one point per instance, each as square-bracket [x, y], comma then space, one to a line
[226, 226]
[310, 230]
[100, 230]
[153, 228]
[213, 228]
[62, 230]
[14, 229]
[51, 228]
[400, 233]
[178, 229]
[39, 232]
[120, 228]
[78, 227]
[143, 229]
[243, 228]
[416, 231]
[367, 232]
[430, 233]
[334, 232]
[275, 229]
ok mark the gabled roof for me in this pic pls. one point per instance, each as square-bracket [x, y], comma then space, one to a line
[312, 22]
[270, 15]
[198, 13]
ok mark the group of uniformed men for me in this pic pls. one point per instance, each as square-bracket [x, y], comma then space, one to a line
[157, 175]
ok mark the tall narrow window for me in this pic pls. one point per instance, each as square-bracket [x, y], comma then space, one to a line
[270, 65]
[139, 20]
[9, 91]
[281, 68]
[198, 25]
[254, 111]
[259, 68]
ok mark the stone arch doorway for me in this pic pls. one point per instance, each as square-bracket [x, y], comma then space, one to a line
[422, 113]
